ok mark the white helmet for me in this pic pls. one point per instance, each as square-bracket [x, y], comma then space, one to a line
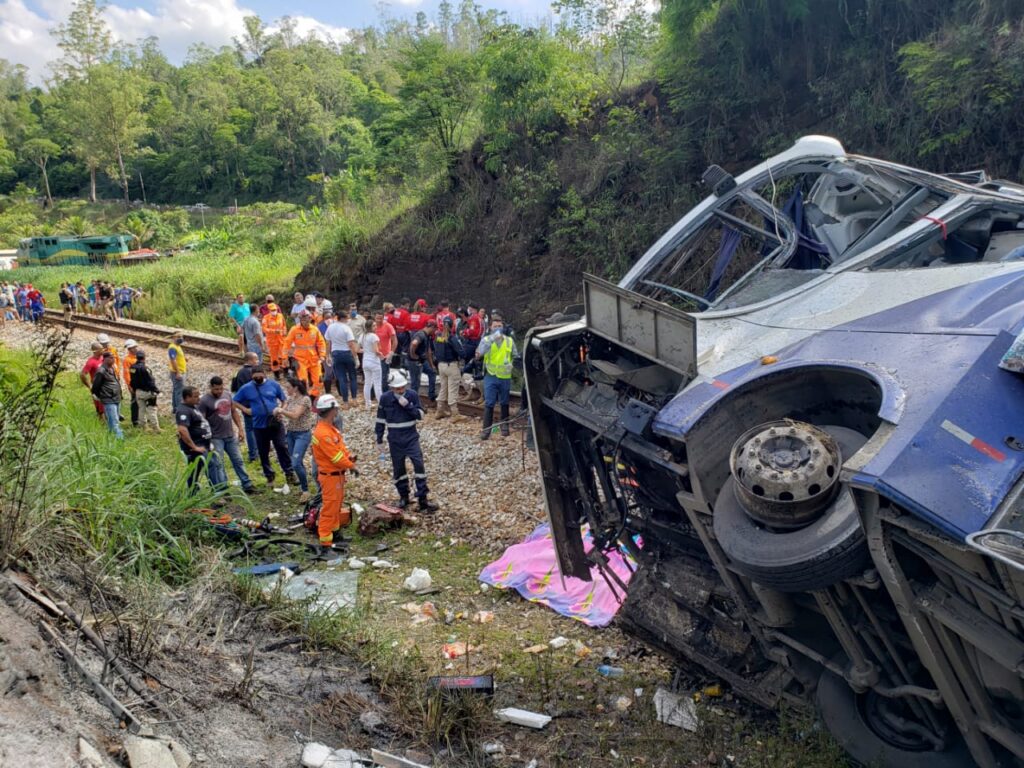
[103, 338]
[326, 402]
[130, 343]
[397, 380]
[310, 302]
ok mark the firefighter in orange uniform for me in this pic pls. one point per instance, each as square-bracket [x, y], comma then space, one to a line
[332, 461]
[274, 331]
[305, 343]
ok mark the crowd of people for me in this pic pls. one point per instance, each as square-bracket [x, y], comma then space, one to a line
[25, 303]
[300, 372]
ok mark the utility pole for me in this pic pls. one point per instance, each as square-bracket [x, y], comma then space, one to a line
[143, 185]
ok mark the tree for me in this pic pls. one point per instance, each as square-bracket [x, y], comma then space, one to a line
[255, 42]
[118, 120]
[85, 40]
[440, 91]
[39, 151]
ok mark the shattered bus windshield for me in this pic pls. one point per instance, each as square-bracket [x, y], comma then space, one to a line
[783, 229]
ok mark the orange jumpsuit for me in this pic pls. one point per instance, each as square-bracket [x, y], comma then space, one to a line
[332, 460]
[308, 348]
[117, 360]
[274, 330]
[126, 366]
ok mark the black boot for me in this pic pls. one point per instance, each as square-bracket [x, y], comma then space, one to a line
[426, 506]
[403, 502]
[505, 431]
[485, 433]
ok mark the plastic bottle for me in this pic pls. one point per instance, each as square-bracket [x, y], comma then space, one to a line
[608, 671]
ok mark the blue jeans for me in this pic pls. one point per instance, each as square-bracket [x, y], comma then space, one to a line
[298, 444]
[177, 384]
[496, 391]
[344, 373]
[431, 382]
[112, 411]
[228, 445]
[250, 438]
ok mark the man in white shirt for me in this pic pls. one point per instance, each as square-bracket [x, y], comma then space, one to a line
[344, 351]
[298, 306]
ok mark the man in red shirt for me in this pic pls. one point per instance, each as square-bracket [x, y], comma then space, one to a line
[88, 373]
[418, 317]
[388, 342]
[400, 322]
[474, 328]
[445, 312]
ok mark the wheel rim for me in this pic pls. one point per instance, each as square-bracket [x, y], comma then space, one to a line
[787, 472]
[896, 724]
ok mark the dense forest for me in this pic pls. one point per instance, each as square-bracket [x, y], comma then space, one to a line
[506, 158]
[279, 117]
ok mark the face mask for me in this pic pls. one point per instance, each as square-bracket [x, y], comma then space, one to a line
[352, 314]
[179, 340]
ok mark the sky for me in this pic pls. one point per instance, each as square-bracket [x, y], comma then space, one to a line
[25, 24]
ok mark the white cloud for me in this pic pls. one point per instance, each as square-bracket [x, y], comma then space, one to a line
[178, 24]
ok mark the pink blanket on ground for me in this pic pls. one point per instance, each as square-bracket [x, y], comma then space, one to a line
[531, 568]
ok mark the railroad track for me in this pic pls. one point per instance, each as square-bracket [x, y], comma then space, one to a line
[208, 345]
[203, 344]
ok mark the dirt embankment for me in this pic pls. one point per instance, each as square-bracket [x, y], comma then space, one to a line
[516, 232]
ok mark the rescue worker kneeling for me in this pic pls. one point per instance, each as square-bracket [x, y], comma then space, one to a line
[398, 411]
[332, 461]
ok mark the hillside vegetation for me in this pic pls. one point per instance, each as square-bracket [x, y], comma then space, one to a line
[528, 209]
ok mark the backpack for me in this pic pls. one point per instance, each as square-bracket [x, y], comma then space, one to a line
[311, 514]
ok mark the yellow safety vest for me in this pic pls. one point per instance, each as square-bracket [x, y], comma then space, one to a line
[180, 357]
[498, 360]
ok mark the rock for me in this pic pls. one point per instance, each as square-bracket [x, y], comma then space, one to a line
[344, 758]
[371, 721]
[88, 755]
[149, 753]
[382, 564]
[314, 754]
[494, 748]
[558, 642]
[355, 563]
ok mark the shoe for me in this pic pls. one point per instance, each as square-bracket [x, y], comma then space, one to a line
[505, 426]
[292, 478]
[284, 490]
[252, 460]
[485, 432]
[403, 502]
[251, 490]
[304, 497]
[326, 553]
[339, 539]
[426, 506]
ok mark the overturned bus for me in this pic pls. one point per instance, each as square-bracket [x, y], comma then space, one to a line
[795, 396]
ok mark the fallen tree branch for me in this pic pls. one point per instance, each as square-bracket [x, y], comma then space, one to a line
[111, 702]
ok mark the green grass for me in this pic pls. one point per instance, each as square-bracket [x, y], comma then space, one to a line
[259, 251]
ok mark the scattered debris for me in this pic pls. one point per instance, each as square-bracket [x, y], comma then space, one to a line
[382, 564]
[331, 591]
[675, 710]
[266, 569]
[477, 683]
[622, 703]
[371, 721]
[523, 717]
[381, 518]
[393, 761]
[494, 748]
[355, 563]
[455, 650]
[539, 648]
[316, 755]
[419, 579]
[421, 614]
[483, 617]
[580, 649]
[608, 671]
[558, 642]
